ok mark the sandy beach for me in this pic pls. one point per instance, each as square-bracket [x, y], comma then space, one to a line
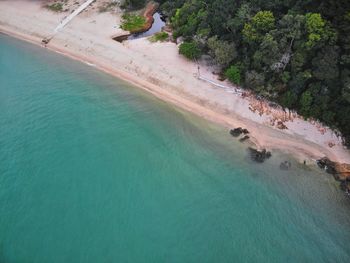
[159, 69]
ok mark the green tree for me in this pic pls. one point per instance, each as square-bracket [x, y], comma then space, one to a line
[298, 61]
[317, 30]
[190, 50]
[242, 16]
[305, 103]
[264, 21]
[261, 23]
[289, 99]
[190, 19]
[345, 78]
[291, 26]
[233, 73]
[270, 53]
[223, 52]
[296, 52]
[285, 77]
[134, 3]
[254, 80]
[325, 64]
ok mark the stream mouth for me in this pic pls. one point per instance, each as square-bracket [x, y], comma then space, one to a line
[157, 25]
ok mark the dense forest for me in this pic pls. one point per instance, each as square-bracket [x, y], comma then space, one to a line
[133, 3]
[295, 52]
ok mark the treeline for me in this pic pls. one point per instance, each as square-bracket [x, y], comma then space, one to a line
[295, 52]
[133, 3]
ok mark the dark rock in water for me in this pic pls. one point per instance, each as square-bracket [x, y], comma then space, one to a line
[345, 186]
[243, 139]
[327, 165]
[340, 171]
[238, 131]
[259, 156]
[285, 165]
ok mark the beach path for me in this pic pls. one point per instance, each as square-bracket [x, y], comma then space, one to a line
[76, 12]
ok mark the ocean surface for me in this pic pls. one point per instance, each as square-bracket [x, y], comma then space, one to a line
[93, 169]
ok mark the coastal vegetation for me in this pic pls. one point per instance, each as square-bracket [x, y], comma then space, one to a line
[140, 20]
[133, 4]
[296, 53]
[133, 23]
[190, 50]
[56, 7]
[160, 36]
[233, 73]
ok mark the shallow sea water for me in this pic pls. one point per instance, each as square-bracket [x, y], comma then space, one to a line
[93, 169]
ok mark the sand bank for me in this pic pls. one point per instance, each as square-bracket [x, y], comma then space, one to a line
[157, 68]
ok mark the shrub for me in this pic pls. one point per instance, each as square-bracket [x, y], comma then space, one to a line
[160, 36]
[56, 7]
[289, 99]
[305, 103]
[133, 3]
[190, 50]
[233, 73]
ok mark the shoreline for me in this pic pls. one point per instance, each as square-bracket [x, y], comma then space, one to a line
[150, 88]
[261, 135]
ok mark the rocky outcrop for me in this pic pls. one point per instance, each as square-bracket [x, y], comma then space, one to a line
[345, 186]
[238, 131]
[285, 166]
[259, 156]
[327, 165]
[280, 125]
[343, 171]
[340, 171]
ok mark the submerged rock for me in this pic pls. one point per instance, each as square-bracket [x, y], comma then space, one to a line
[243, 139]
[345, 186]
[238, 131]
[286, 165]
[259, 156]
[340, 172]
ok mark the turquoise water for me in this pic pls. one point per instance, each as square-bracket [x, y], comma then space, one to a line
[95, 170]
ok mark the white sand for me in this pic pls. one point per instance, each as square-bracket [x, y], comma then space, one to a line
[157, 68]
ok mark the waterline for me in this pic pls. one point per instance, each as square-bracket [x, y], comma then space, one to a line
[95, 170]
